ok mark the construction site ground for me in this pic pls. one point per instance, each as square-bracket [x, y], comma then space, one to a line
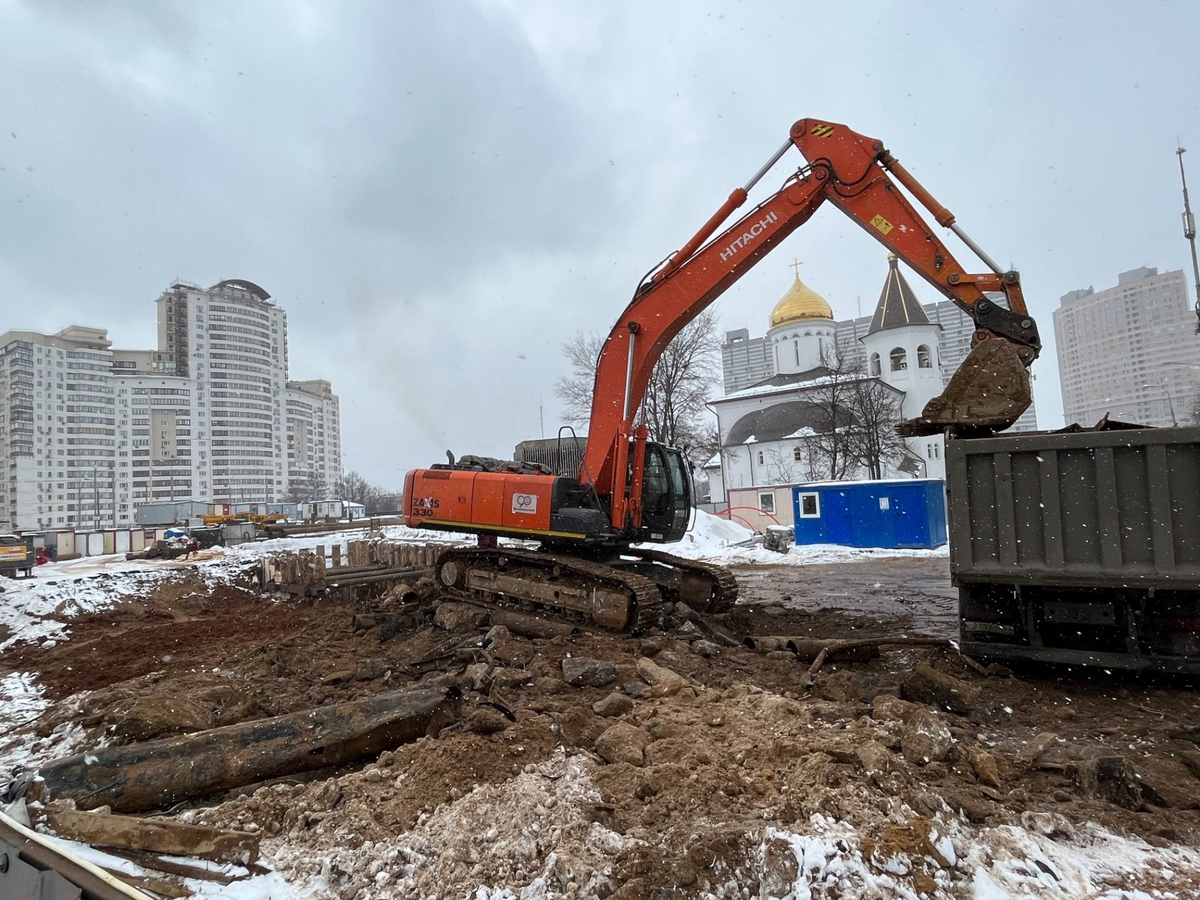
[732, 780]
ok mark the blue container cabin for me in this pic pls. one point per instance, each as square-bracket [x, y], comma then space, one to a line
[907, 514]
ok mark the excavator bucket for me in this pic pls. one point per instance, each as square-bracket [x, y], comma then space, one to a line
[988, 393]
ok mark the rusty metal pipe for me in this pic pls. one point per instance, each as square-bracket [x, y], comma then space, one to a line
[765, 643]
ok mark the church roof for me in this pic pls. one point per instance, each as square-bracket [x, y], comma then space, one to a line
[813, 379]
[799, 304]
[898, 305]
[783, 420]
[792, 378]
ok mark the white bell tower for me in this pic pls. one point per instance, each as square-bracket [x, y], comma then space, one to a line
[902, 351]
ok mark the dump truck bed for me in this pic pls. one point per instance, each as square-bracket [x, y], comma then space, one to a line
[1079, 547]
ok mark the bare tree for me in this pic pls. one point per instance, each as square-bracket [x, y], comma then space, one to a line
[874, 442]
[781, 467]
[357, 489]
[833, 442]
[1196, 410]
[684, 378]
[306, 486]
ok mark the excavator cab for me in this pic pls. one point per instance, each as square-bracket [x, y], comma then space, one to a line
[666, 495]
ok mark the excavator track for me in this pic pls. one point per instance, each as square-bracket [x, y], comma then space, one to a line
[564, 587]
[705, 587]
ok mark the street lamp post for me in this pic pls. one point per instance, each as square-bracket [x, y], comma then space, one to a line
[1170, 402]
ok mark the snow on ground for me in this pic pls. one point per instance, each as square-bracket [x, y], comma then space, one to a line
[34, 609]
[21, 702]
[30, 607]
[715, 539]
[270, 886]
[1001, 863]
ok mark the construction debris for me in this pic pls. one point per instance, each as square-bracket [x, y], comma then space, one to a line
[581, 764]
[369, 568]
[160, 773]
[151, 835]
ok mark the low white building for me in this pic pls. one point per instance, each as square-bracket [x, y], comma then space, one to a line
[770, 433]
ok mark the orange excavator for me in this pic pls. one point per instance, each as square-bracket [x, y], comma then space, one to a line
[631, 490]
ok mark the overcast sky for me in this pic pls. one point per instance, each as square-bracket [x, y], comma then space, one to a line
[441, 194]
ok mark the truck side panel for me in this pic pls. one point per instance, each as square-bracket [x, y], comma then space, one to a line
[1080, 547]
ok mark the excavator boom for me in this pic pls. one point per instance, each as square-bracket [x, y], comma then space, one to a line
[860, 177]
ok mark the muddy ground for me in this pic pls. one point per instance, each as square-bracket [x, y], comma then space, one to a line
[641, 782]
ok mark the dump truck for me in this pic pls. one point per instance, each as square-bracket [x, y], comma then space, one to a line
[1078, 547]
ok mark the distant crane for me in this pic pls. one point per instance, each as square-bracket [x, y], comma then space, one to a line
[1189, 232]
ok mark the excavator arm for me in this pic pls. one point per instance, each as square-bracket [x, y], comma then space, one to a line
[858, 176]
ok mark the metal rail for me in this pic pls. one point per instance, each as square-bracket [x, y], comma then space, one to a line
[25, 856]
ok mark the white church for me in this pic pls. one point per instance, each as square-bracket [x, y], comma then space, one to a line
[767, 431]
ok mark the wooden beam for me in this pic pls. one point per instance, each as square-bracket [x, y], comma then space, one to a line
[154, 835]
[150, 861]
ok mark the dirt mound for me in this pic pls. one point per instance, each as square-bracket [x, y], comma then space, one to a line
[177, 625]
[711, 773]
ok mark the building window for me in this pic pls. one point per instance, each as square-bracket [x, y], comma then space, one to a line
[797, 454]
[810, 506]
[760, 457]
[876, 371]
[766, 503]
[899, 360]
[924, 358]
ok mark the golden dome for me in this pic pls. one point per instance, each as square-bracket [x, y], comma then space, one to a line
[799, 303]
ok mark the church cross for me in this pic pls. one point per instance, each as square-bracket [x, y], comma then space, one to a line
[796, 264]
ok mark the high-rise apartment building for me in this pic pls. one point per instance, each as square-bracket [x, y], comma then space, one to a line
[88, 432]
[744, 360]
[314, 457]
[58, 429]
[231, 341]
[1129, 351]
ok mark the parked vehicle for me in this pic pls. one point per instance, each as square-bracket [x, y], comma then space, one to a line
[16, 556]
[1079, 547]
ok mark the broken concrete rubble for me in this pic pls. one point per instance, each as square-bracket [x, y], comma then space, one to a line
[927, 685]
[1110, 778]
[925, 738]
[615, 704]
[874, 758]
[460, 616]
[986, 769]
[663, 682]
[622, 743]
[584, 672]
